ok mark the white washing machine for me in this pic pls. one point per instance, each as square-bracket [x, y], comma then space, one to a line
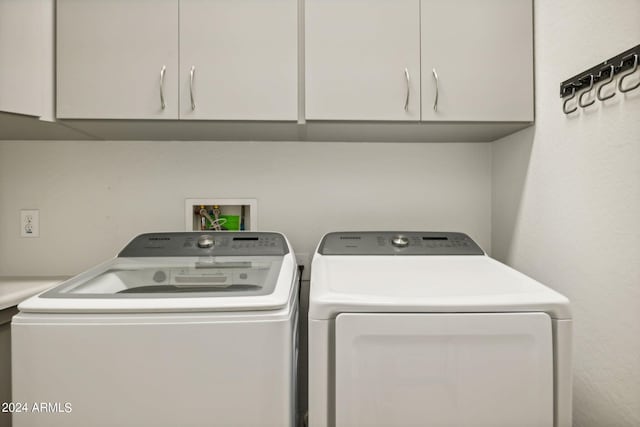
[181, 329]
[424, 329]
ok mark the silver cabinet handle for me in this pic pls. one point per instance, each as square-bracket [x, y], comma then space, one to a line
[191, 74]
[407, 79]
[162, 71]
[435, 101]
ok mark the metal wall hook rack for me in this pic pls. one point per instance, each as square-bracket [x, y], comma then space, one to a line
[621, 62]
[603, 72]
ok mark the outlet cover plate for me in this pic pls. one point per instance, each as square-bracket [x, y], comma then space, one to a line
[29, 223]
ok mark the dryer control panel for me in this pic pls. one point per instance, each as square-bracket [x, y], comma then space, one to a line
[398, 243]
[198, 244]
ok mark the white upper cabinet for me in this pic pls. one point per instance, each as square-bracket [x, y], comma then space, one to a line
[474, 56]
[26, 57]
[362, 59]
[239, 59]
[482, 54]
[222, 59]
[111, 56]
[438, 62]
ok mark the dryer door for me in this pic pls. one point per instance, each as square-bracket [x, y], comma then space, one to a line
[482, 369]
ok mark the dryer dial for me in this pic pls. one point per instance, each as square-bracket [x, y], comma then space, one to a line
[400, 241]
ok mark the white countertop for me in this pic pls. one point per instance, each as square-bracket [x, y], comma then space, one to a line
[15, 289]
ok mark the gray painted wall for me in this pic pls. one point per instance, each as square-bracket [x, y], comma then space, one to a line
[94, 196]
[566, 203]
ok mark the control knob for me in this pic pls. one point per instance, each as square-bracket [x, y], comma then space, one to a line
[400, 241]
[205, 241]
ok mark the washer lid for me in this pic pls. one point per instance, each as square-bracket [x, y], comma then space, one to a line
[175, 272]
[163, 284]
[425, 284]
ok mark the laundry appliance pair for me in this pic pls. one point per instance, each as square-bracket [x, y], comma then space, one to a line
[194, 329]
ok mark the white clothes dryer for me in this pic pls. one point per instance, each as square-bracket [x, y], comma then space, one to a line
[424, 329]
[181, 329]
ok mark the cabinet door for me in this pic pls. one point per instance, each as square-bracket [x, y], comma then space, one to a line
[244, 55]
[356, 55]
[482, 53]
[110, 55]
[26, 30]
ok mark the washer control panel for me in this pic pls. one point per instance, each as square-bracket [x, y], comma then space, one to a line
[398, 243]
[197, 244]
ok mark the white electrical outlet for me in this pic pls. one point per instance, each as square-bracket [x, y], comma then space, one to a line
[30, 223]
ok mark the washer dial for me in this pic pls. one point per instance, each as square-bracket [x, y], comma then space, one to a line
[205, 241]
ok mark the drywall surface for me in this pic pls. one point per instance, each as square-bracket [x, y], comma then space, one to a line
[566, 203]
[94, 196]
